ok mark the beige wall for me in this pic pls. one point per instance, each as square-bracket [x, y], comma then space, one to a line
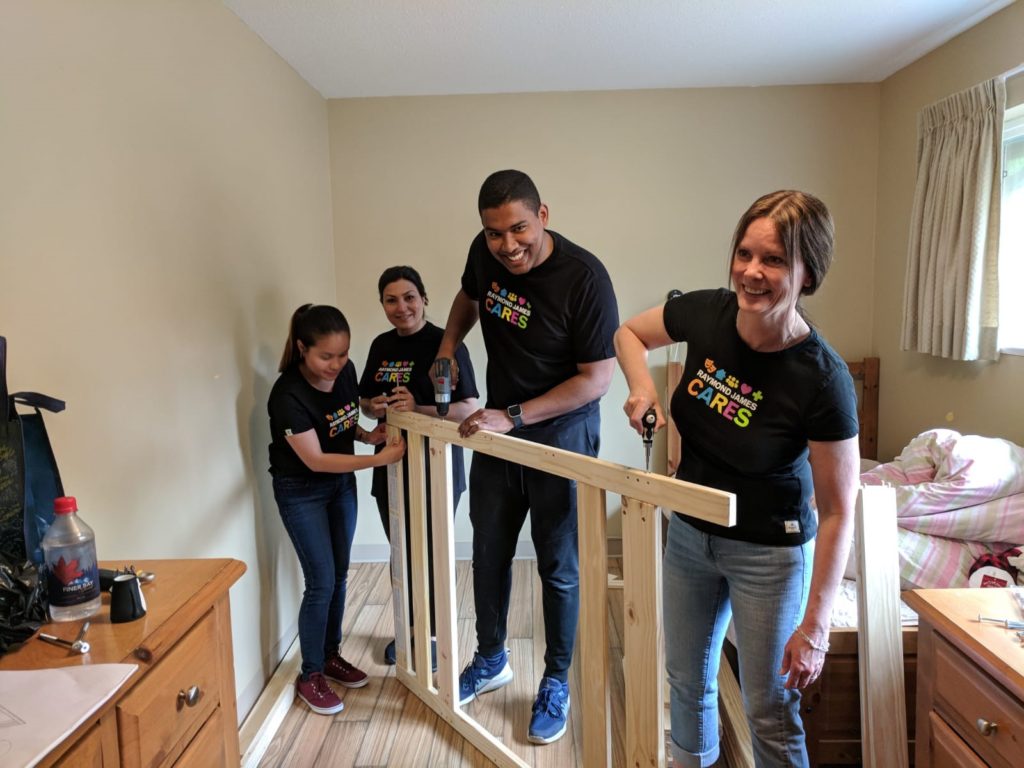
[650, 181]
[919, 392]
[164, 205]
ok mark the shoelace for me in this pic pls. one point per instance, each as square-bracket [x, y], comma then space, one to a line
[320, 686]
[546, 701]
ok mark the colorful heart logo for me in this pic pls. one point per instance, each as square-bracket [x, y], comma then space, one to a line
[746, 389]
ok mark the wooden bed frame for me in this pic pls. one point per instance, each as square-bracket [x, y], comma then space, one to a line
[831, 709]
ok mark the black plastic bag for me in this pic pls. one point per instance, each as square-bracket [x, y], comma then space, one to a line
[22, 603]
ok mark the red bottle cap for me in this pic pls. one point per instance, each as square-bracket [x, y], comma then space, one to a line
[65, 505]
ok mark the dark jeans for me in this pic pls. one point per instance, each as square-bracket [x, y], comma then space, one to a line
[500, 495]
[319, 513]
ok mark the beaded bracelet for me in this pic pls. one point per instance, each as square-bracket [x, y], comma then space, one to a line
[823, 646]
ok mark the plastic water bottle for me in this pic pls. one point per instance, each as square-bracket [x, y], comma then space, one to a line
[72, 573]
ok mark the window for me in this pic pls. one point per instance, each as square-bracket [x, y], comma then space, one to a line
[1011, 236]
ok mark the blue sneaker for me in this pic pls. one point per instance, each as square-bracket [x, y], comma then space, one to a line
[550, 711]
[485, 673]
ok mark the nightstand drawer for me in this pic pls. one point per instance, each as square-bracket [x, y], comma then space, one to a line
[988, 718]
[168, 707]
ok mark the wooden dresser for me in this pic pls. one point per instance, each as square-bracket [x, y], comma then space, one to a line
[179, 707]
[970, 681]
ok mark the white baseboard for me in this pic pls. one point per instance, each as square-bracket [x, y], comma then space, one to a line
[261, 724]
[381, 553]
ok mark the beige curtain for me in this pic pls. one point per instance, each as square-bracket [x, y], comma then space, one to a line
[951, 306]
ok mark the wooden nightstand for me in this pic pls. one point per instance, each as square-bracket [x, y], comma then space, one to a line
[179, 708]
[970, 681]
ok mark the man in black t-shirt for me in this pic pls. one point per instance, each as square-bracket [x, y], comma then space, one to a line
[547, 312]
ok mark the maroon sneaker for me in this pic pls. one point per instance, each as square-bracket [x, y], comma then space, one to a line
[318, 694]
[338, 669]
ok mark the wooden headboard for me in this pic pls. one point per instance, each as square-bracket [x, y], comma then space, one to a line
[865, 376]
[865, 373]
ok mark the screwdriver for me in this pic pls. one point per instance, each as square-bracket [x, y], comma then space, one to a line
[649, 419]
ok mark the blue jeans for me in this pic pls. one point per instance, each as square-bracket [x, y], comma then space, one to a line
[707, 580]
[500, 495]
[319, 513]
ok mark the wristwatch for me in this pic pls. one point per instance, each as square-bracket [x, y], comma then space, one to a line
[515, 412]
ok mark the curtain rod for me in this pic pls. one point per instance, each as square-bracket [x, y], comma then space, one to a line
[1019, 69]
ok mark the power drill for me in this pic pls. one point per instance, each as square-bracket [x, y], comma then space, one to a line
[442, 385]
[650, 418]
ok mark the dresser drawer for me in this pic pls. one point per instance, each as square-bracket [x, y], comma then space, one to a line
[948, 749]
[206, 750]
[988, 718]
[96, 749]
[166, 709]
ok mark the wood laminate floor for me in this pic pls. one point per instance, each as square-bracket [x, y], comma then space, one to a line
[385, 725]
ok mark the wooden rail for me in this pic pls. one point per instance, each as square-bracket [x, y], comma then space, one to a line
[643, 667]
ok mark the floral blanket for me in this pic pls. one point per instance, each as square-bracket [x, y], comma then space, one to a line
[958, 497]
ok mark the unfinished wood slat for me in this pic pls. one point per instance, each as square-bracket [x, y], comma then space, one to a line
[674, 447]
[641, 568]
[593, 545]
[880, 637]
[444, 571]
[420, 575]
[399, 548]
[705, 503]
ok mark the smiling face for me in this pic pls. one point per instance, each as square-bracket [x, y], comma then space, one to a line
[767, 282]
[404, 306]
[515, 235]
[322, 362]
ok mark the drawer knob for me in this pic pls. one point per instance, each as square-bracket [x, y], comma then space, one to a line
[986, 728]
[191, 697]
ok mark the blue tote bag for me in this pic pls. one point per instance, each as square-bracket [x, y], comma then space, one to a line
[29, 479]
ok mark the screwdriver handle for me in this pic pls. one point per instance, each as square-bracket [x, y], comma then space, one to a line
[649, 419]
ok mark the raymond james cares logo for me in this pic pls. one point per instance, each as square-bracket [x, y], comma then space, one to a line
[394, 372]
[508, 305]
[725, 393]
[344, 418]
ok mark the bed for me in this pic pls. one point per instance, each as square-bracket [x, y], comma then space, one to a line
[960, 523]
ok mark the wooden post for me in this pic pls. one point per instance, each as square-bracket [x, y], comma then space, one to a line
[642, 655]
[442, 521]
[399, 547]
[596, 705]
[883, 711]
[415, 456]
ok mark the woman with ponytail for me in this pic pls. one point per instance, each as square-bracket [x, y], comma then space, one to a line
[314, 423]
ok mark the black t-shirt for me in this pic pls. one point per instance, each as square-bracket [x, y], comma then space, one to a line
[405, 360]
[296, 406]
[745, 417]
[537, 327]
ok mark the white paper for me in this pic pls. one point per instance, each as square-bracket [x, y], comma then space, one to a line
[39, 708]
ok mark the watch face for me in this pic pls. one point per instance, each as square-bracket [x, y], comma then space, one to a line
[515, 411]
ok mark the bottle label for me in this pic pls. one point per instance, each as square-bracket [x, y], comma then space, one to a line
[72, 581]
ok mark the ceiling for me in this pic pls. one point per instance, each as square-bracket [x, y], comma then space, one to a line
[351, 48]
